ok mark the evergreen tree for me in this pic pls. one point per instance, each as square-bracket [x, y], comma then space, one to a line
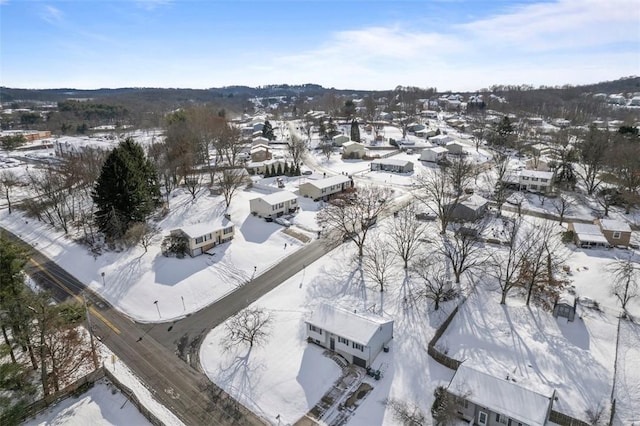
[297, 170]
[127, 190]
[279, 170]
[267, 131]
[286, 171]
[355, 131]
[272, 173]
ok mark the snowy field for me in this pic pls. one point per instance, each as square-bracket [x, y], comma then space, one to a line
[627, 388]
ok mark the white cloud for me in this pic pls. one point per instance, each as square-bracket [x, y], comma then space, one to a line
[545, 43]
[51, 14]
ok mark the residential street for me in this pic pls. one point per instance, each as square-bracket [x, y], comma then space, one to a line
[150, 350]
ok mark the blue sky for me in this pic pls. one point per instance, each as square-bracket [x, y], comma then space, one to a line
[375, 44]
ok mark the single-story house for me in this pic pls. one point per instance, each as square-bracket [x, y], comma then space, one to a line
[486, 400]
[468, 209]
[415, 127]
[260, 152]
[274, 205]
[440, 139]
[434, 154]
[338, 140]
[260, 167]
[587, 235]
[353, 149]
[565, 306]
[455, 147]
[203, 236]
[356, 337]
[323, 188]
[260, 140]
[392, 165]
[616, 232]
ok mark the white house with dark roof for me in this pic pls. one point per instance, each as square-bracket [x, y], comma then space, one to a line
[204, 236]
[486, 400]
[359, 338]
[434, 154]
[274, 205]
[392, 165]
[321, 189]
[530, 180]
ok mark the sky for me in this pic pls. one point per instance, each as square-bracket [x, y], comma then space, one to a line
[350, 44]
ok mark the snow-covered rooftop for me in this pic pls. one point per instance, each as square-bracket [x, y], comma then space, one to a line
[391, 161]
[614, 225]
[200, 229]
[350, 325]
[502, 396]
[330, 181]
[279, 197]
[536, 174]
[588, 232]
[437, 149]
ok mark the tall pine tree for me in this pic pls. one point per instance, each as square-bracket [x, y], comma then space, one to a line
[127, 190]
[355, 131]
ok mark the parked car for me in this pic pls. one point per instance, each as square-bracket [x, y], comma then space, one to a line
[282, 221]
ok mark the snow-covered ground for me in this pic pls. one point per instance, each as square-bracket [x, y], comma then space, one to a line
[101, 405]
[133, 279]
[288, 376]
[627, 387]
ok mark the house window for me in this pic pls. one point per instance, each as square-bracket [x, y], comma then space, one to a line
[616, 235]
[315, 329]
[358, 346]
[544, 180]
[199, 240]
[343, 340]
[501, 419]
[207, 237]
[525, 177]
[535, 179]
[227, 230]
[482, 418]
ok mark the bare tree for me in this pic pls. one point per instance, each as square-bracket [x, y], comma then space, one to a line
[352, 214]
[405, 231]
[592, 152]
[407, 415]
[562, 205]
[165, 166]
[248, 327]
[327, 149]
[193, 183]
[501, 167]
[626, 279]
[479, 129]
[436, 279]
[462, 250]
[377, 262]
[624, 165]
[506, 266]
[8, 179]
[460, 172]
[230, 181]
[141, 233]
[437, 194]
[297, 149]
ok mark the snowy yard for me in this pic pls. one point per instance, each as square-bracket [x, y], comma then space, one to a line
[532, 347]
[627, 388]
[288, 376]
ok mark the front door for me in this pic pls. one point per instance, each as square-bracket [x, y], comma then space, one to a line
[332, 344]
[483, 418]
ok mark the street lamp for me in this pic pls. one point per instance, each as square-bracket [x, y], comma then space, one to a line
[155, 302]
[103, 283]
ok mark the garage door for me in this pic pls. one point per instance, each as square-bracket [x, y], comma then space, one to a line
[359, 362]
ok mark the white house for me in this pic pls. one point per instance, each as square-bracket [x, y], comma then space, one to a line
[530, 180]
[358, 338]
[353, 149]
[203, 236]
[434, 154]
[274, 205]
[392, 165]
[486, 400]
[323, 188]
[455, 147]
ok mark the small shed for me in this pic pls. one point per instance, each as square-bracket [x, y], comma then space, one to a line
[338, 140]
[565, 306]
